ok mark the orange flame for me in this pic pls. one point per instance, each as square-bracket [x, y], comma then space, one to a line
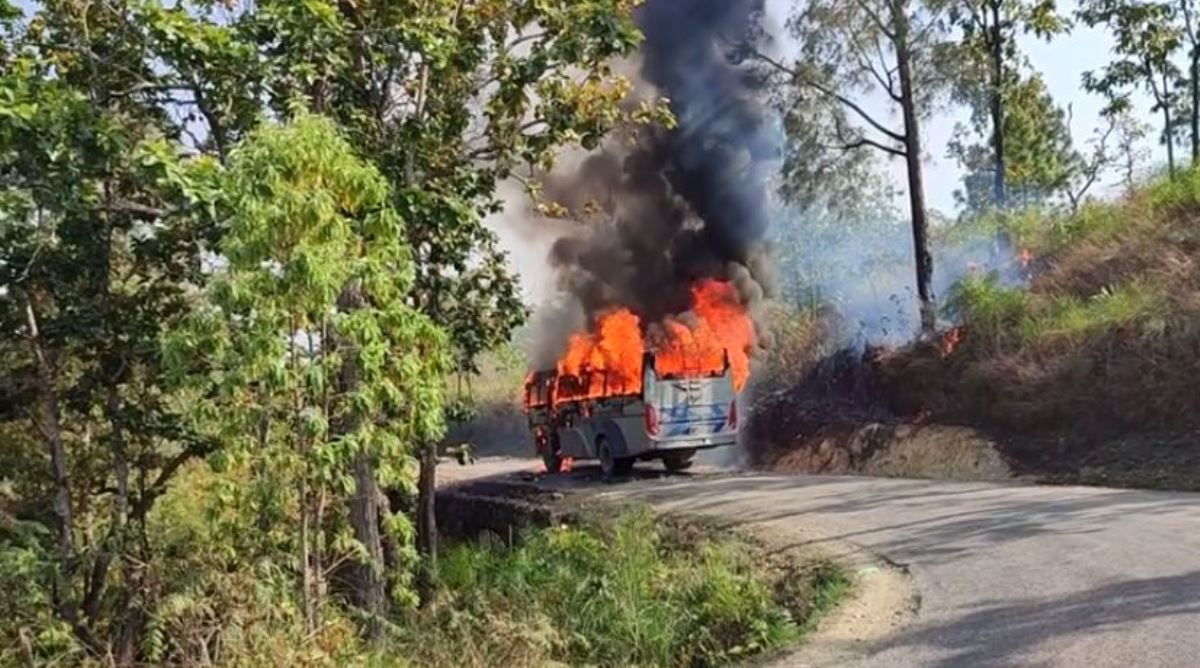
[698, 347]
[950, 340]
[567, 465]
[608, 361]
[1025, 258]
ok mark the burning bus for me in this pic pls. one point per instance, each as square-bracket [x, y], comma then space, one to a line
[622, 393]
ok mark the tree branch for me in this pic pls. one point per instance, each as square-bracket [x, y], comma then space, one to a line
[879, 22]
[830, 93]
[850, 144]
[135, 209]
[863, 141]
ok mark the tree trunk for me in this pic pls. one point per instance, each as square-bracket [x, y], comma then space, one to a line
[51, 428]
[370, 594]
[1195, 87]
[912, 157]
[307, 596]
[997, 56]
[1169, 138]
[129, 631]
[120, 458]
[427, 539]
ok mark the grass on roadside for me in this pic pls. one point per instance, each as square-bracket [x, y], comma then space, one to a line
[621, 594]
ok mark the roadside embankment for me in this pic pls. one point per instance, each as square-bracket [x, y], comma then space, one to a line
[1083, 372]
[597, 582]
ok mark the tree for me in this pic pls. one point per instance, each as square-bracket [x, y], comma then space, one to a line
[987, 61]
[1130, 152]
[1191, 30]
[852, 50]
[118, 117]
[1041, 158]
[1147, 41]
[447, 98]
[117, 114]
[322, 369]
[98, 256]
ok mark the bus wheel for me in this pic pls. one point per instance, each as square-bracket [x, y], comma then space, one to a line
[611, 465]
[553, 462]
[680, 460]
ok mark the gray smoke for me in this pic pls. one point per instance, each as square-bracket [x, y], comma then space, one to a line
[665, 208]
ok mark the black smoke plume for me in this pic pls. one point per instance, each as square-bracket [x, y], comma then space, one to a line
[669, 207]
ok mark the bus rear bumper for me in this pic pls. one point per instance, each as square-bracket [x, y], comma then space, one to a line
[694, 442]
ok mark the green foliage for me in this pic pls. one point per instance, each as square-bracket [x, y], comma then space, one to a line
[216, 603]
[1173, 195]
[619, 595]
[179, 281]
[1147, 40]
[1039, 156]
[538, 71]
[1050, 230]
[99, 256]
[315, 287]
[985, 65]
[994, 314]
[1070, 317]
[1002, 319]
[847, 55]
[1044, 230]
[294, 277]
[29, 631]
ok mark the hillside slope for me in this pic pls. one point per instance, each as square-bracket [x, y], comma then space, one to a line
[1087, 373]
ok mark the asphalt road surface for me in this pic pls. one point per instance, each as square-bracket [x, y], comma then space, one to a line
[1005, 575]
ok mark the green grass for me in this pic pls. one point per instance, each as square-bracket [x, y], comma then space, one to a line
[1072, 317]
[1181, 191]
[624, 594]
[1003, 318]
[1046, 230]
[999, 317]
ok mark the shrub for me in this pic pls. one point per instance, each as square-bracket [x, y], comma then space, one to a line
[619, 595]
[993, 313]
[999, 318]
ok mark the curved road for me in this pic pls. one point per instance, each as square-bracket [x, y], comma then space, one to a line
[1006, 575]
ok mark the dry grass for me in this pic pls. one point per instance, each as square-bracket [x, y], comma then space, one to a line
[1105, 337]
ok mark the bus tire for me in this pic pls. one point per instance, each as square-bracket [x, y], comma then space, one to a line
[612, 466]
[680, 460]
[553, 462]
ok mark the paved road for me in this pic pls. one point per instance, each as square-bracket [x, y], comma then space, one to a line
[1006, 575]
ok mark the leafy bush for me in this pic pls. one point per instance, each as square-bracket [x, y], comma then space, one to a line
[29, 631]
[991, 311]
[613, 596]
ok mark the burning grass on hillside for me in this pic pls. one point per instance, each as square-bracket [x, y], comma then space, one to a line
[1100, 345]
[1103, 338]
